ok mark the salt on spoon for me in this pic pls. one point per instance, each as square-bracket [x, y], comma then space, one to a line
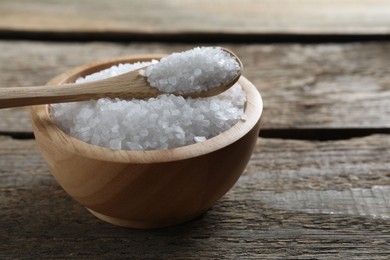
[200, 72]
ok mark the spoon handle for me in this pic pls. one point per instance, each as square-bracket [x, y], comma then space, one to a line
[129, 85]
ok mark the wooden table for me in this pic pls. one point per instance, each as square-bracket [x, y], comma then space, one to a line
[318, 184]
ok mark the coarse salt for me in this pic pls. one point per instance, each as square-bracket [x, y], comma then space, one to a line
[165, 122]
[192, 71]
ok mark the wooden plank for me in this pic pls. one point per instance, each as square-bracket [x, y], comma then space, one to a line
[337, 165]
[300, 199]
[174, 17]
[303, 86]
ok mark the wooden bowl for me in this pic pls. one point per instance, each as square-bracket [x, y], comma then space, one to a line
[147, 189]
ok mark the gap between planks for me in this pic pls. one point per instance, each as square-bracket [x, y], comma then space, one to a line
[195, 18]
[283, 134]
[193, 38]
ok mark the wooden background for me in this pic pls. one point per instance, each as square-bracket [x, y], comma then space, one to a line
[318, 183]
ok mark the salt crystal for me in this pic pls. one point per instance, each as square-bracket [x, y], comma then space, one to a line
[172, 80]
[115, 129]
[115, 144]
[199, 139]
[144, 132]
[95, 139]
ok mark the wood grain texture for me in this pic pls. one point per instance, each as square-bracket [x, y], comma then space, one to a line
[303, 86]
[176, 17]
[296, 200]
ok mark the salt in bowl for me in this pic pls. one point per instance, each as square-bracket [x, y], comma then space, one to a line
[147, 189]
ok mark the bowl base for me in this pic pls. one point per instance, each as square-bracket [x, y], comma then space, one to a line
[143, 224]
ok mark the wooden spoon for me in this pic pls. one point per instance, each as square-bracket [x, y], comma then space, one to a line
[127, 86]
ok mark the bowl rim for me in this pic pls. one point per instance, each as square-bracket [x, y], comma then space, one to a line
[252, 112]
